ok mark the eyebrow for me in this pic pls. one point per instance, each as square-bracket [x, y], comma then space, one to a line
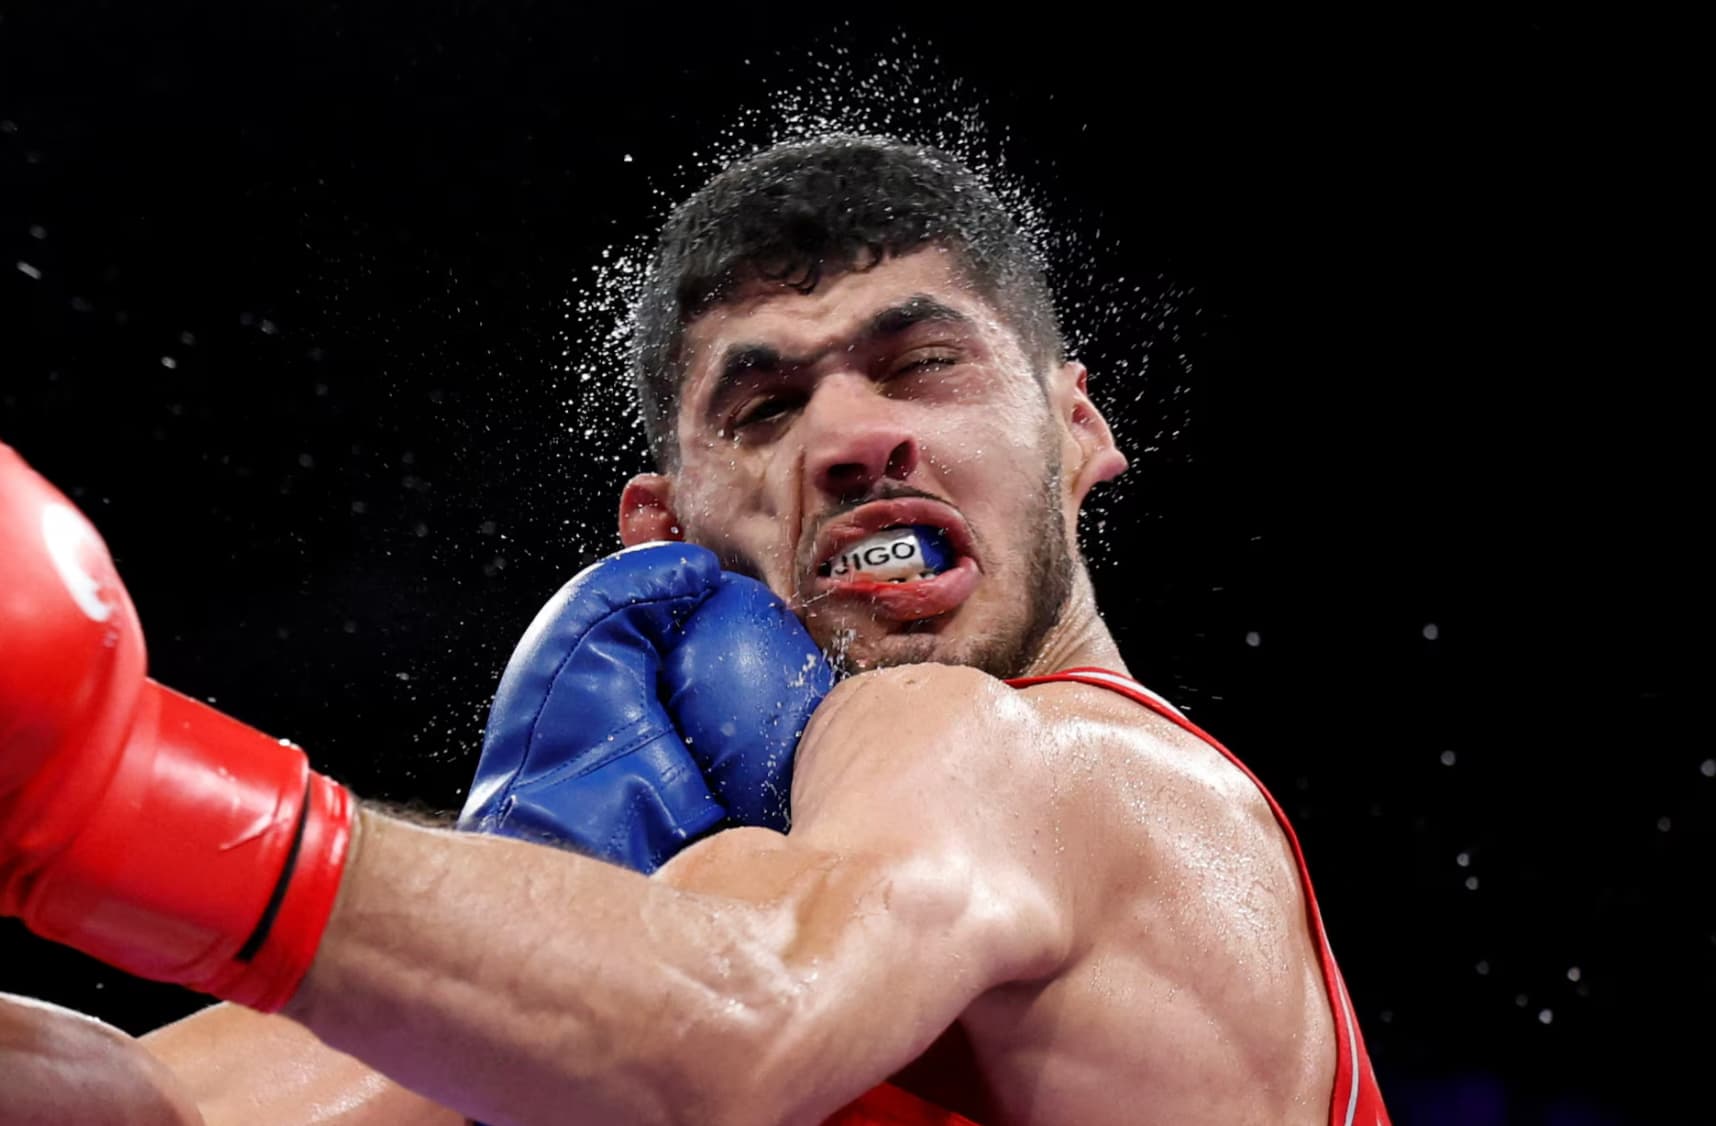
[747, 358]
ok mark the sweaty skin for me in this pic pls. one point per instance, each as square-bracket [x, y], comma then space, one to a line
[244, 1068]
[57, 1066]
[1137, 878]
[1064, 908]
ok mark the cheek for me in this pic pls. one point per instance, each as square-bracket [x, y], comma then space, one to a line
[993, 450]
[732, 508]
[994, 467]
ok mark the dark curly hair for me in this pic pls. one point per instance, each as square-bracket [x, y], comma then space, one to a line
[806, 210]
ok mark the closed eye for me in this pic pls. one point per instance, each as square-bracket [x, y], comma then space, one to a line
[927, 363]
[764, 409]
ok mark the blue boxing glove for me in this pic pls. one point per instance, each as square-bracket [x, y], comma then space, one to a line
[654, 699]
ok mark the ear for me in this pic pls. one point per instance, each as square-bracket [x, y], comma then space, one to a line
[646, 510]
[1088, 453]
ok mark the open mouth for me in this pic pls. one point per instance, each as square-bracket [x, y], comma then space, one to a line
[909, 559]
[900, 554]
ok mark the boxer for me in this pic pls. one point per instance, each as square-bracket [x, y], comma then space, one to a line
[1014, 881]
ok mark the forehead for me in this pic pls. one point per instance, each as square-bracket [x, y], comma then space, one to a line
[803, 323]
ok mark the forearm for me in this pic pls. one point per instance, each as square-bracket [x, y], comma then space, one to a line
[60, 1066]
[244, 1068]
[523, 984]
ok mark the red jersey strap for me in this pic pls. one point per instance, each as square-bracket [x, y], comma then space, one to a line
[888, 1105]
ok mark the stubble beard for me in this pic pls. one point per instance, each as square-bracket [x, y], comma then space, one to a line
[1047, 585]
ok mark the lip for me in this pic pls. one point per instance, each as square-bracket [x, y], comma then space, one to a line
[913, 601]
[904, 601]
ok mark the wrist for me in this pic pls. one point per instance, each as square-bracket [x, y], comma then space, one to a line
[365, 835]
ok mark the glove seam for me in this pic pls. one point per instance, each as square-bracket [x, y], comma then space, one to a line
[559, 773]
[694, 600]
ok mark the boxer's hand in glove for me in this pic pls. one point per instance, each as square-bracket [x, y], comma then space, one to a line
[138, 825]
[655, 699]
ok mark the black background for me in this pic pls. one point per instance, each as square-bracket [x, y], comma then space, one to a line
[1404, 346]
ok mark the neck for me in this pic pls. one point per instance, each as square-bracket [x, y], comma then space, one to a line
[1078, 638]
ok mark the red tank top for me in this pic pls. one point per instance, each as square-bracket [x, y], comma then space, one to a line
[1355, 1100]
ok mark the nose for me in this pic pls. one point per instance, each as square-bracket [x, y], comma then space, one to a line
[857, 438]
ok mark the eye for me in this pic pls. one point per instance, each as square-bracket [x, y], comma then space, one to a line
[763, 410]
[934, 361]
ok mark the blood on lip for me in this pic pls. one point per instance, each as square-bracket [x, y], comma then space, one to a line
[912, 601]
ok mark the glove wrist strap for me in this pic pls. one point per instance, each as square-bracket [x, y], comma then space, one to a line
[212, 858]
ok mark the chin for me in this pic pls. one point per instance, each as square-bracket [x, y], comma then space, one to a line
[860, 650]
[850, 656]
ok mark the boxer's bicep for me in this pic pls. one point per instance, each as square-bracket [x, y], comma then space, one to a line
[905, 890]
[875, 953]
[940, 775]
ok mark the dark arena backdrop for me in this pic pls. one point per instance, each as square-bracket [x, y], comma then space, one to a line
[317, 310]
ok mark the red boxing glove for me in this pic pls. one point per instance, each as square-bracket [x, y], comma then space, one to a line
[138, 825]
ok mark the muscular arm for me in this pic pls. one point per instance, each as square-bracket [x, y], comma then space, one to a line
[242, 1068]
[758, 978]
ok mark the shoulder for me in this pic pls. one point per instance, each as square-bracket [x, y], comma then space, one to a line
[1135, 803]
[951, 751]
[1073, 741]
[1118, 788]
[1158, 771]
[1126, 822]
[922, 722]
[1196, 869]
[1134, 847]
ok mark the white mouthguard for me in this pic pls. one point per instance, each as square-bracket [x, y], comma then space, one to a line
[893, 553]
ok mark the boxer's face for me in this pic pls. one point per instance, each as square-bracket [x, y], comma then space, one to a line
[888, 396]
